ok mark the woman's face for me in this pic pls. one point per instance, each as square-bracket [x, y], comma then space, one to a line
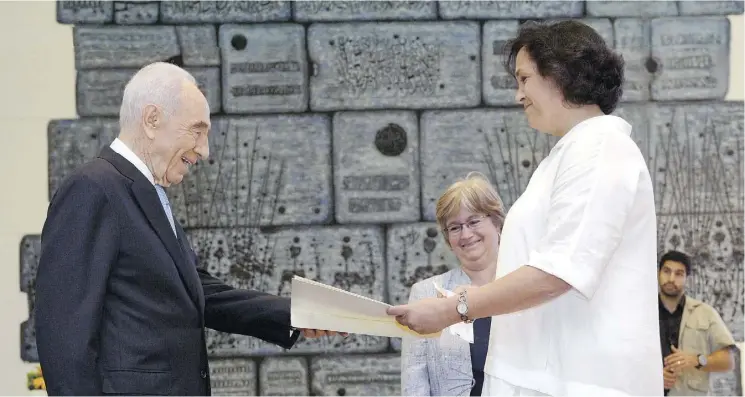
[542, 101]
[473, 238]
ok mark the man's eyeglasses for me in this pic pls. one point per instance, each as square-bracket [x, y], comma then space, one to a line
[473, 224]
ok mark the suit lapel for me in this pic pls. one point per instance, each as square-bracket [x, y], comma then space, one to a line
[190, 271]
[147, 199]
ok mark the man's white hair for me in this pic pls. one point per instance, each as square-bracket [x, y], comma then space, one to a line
[159, 84]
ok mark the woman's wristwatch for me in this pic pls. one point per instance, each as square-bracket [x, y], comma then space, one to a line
[462, 307]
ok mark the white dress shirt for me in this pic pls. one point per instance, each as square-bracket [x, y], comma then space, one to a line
[119, 147]
[587, 216]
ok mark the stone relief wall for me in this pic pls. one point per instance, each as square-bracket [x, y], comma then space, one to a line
[338, 124]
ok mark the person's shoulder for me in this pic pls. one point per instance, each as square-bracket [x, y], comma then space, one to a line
[428, 283]
[94, 176]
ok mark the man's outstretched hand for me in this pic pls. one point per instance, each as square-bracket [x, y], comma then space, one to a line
[317, 333]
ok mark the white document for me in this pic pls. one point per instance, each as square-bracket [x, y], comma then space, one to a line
[320, 306]
[461, 330]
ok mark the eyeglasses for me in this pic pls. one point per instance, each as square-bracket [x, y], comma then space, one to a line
[473, 224]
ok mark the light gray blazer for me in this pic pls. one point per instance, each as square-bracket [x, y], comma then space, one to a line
[436, 366]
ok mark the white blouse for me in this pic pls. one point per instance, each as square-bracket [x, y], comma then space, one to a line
[587, 216]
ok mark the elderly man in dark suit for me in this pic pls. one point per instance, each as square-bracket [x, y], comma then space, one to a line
[121, 306]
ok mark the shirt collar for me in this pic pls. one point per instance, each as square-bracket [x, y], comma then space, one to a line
[121, 148]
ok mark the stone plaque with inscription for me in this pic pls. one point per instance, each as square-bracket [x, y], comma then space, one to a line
[639, 9]
[414, 252]
[264, 68]
[394, 65]
[198, 45]
[694, 64]
[376, 166]
[729, 7]
[230, 11]
[262, 170]
[233, 377]
[73, 142]
[500, 9]
[123, 46]
[307, 11]
[30, 251]
[136, 12]
[283, 376]
[99, 91]
[632, 41]
[501, 146]
[266, 259]
[85, 12]
[499, 86]
[371, 375]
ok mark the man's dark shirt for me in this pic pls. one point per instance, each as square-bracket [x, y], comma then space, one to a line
[670, 327]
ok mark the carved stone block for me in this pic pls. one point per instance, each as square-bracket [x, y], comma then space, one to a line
[263, 170]
[371, 375]
[233, 377]
[283, 376]
[638, 9]
[99, 91]
[694, 64]
[30, 251]
[184, 12]
[309, 11]
[198, 45]
[394, 65]
[633, 42]
[84, 12]
[499, 9]
[376, 166]
[123, 46]
[499, 86]
[73, 142]
[264, 68]
[350, 258]
[730, 7]
[414, 252]
[136, 12]
[501, 146]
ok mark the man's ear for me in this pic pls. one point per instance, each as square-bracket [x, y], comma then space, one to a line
[152, 119]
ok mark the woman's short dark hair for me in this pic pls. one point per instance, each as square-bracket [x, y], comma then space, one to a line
[575, 57]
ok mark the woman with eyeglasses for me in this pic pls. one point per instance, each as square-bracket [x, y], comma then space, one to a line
[470, 215]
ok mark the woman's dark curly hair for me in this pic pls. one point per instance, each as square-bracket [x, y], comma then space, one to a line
[575, 58]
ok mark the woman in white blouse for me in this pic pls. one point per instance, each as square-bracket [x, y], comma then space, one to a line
[574, 302]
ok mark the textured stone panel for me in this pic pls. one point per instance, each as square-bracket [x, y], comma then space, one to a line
[500, 9]
[633, 42]
[711, 7]
[198, 45]
[309, 11]
[414, 252]
[233, 377]
[84, 12]
[394, 65]
[638, 9]
[263, 170]
[136, 12]
[178, 12]
[694, 64]
[500, 144]
[350, 258]
[264, 68]
[372, 375]
[376, 166]
[283, 376]
[499, 86]
[30, 251]
[123, 46]
[70, 143]
[99, 91]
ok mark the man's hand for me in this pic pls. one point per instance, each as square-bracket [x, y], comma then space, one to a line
[669, 377]
[317, 333]
[680, 360]
[426, 316]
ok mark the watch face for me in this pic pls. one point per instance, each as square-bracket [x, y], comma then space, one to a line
[462, 308]
[702, 360]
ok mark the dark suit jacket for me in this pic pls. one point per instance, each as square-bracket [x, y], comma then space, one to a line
[121, 305]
